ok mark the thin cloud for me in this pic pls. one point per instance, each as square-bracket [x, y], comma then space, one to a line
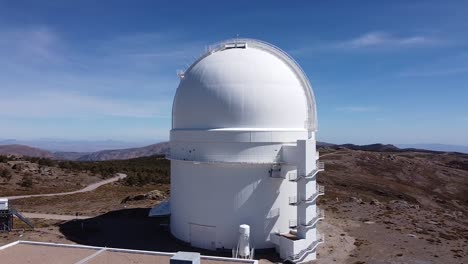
[31, 45]
[74, 105]
[131, 69]
[386, 40]
[370, 41]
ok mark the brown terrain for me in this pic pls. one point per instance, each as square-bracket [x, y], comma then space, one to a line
[121, 154]
[22, 150]
[381, 206]
[395, 207]
[113, 154]
[21, 177]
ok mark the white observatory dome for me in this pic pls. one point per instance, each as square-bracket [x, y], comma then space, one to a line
[248, 87]
[243, 153]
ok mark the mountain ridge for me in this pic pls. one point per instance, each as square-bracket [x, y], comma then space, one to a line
[164, 148]
[23, 150]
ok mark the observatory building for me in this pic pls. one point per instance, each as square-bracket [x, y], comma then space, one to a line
[243, 153]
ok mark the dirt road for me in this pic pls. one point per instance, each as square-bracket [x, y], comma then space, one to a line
[88, 188]
[55, 216]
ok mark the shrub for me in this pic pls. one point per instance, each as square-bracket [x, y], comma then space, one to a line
[5, 173]
[26, 181]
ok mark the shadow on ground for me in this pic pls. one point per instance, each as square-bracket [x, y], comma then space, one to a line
[133, 229]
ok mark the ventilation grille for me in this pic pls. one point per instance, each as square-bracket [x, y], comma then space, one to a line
[238, 45]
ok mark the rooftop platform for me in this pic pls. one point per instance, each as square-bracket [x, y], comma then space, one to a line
[22, 252]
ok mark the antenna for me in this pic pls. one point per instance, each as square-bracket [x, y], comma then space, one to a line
[180, 74]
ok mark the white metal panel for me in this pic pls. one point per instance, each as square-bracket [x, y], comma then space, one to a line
[241, 88]
[3, 204]
[228, 196]
[261, 136]
[202, 236]
[236, 135]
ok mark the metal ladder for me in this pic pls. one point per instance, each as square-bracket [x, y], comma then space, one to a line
[21, 217]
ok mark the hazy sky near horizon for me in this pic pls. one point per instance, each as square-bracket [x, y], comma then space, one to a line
[382, 71]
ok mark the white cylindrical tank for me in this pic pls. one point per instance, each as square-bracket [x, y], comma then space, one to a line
[237, 112]
[244, 241]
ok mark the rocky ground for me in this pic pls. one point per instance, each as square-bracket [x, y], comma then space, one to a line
[394, 208]
[21, 177]
[380, 207]
[111, 197]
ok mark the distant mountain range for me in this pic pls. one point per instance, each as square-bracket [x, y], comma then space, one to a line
[64, 145]
[163, 148]
[400, 147]
[115, 154]
[130, 153]
[436, 147]
[22, 150]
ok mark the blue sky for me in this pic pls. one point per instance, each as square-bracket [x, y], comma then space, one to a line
[391, 72]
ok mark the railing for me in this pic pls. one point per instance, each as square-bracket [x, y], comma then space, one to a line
[292, 176]
[4, 227]
[275, 171]
[292, 223]
[311, 248]
[21, 217]
[319, 191]
[293, 200]
[320, 166]
[234, 159]
[235, 254]
[5, 212]
[275, 237]
[319, 216]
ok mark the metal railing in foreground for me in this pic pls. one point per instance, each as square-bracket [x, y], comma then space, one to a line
[21, 217]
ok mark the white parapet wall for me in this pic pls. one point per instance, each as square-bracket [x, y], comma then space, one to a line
[100, 250]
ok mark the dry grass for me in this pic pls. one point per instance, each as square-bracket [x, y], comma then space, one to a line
[104, 199]
[45, 179]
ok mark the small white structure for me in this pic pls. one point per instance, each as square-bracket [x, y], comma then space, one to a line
[3, 203]
[243, 152]
[182, 257]
[243, 244]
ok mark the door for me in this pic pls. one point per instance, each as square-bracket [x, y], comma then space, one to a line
[203, 236]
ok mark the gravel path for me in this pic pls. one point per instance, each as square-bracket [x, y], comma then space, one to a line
[88, 188]
[55, 216]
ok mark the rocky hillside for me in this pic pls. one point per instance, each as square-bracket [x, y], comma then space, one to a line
[122, 154]
[21, 150]
[435, 180]
[394, 207]
[115, 154]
